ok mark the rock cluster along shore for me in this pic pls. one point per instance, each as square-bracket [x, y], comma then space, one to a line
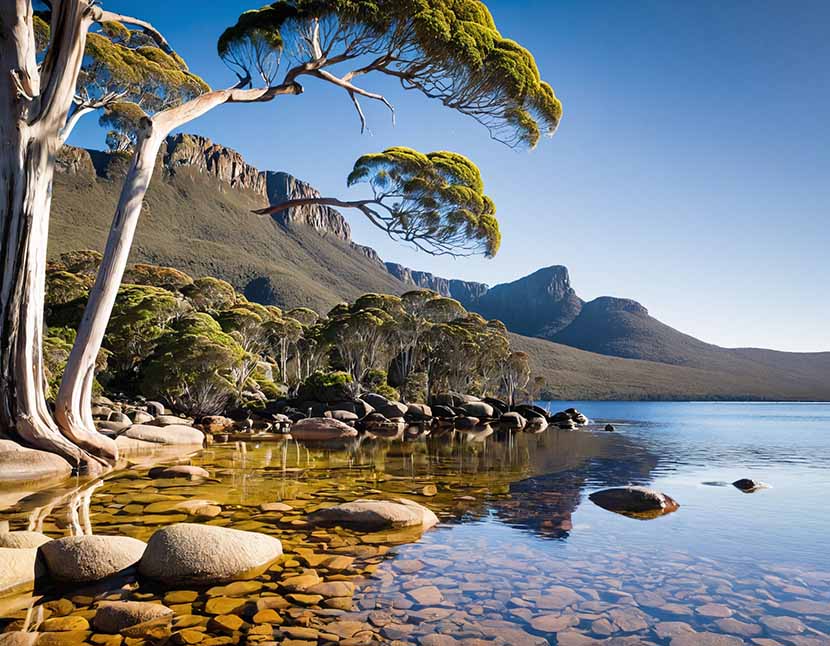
[378, 416]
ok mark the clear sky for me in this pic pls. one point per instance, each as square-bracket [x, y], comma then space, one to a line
[690, 171]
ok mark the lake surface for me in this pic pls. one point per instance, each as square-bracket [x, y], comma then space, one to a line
[521, 555]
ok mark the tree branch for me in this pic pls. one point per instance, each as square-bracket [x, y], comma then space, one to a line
[353, 89]
[146, 27]
[84, 107]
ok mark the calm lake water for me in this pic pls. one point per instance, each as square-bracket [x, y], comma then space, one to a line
[522, 556]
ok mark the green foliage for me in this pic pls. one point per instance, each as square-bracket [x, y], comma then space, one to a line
[392, 394]
[63, 287]
[123, 120]
[85, 262]
[450, 50]
[210, 294]
[436, 201]
[167, 278]
[191, 366]
[304, 315]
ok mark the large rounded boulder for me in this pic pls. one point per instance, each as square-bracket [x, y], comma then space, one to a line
[634, 501]
[205, 554]
[376, 514]
[481, 410]
[23, 540]
[22, 464]
[19, 567]
[321, 429]
[84, 559]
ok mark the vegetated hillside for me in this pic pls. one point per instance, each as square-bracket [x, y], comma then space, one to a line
[576, 374]
[197, 218]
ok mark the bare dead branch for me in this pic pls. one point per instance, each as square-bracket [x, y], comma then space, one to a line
[146, 27]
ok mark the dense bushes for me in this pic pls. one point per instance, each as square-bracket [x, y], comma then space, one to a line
[202, 347]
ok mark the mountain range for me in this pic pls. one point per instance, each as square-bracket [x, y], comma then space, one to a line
[198, 218]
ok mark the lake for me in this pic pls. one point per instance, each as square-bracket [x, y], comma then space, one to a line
[521, 555]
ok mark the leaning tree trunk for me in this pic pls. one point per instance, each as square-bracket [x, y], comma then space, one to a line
[73, 404]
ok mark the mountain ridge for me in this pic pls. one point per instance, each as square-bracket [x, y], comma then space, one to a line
[198, 218]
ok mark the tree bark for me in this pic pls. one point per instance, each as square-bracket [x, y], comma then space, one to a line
[30, 119]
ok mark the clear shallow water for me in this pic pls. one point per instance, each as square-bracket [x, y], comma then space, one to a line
[521, 555]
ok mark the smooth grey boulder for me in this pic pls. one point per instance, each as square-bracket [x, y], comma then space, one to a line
[23, 540]
[171, 420]
[321, 428]
[393, 409]
[155, 409]
[19, 638]
[376, 514]
[633, 500]
[142, 417]
[374, 400]
[114, 616]
[173, 434]
[19, 567]
[84, 559]
[513, 421]
[206, 554]
[478, 409]
[19, 463]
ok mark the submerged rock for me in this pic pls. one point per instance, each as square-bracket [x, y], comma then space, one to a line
[321, 428]
[83, 559]
[376, 514]
[179, 471]
[634, 500]
[205, 554]
[610, 428]
[115, 616]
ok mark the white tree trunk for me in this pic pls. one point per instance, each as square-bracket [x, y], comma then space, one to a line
[34, 104]
[73, 403]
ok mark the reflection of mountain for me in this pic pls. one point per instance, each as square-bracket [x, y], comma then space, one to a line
[571, 462]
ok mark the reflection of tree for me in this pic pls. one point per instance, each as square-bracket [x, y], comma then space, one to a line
[571, 462]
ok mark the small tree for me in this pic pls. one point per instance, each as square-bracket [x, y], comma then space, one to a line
[515, 374]
[435, 202]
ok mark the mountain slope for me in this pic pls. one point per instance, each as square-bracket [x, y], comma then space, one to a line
[197, 217]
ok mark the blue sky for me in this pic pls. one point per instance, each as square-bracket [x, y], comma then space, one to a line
[690, 171]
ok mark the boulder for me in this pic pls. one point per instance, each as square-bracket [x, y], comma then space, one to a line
[513, 421]
[120, 418]
[536, 425]
[497, 404]
[171, 420]
[362, 408]
[205, 554]
[173, 434]
[576, 416]
[142, 417]
[374, 400]
[418, 412]
[390, 428]
[179, 471]
[112, 428]
[19, 567]
[114, 616]
[215, 424]
[20, 463]
[531, 412]
[376, 514]
[481, 410]
[393, 409]
[610, 428]
[467, 423]
[155, 409]
[450, 400]
[443, 412]
[84, 559]
[101, 412]
[23, 540]
[19, 638]
[747, 485]
[634, 500]
[321, 428]
[344, 416]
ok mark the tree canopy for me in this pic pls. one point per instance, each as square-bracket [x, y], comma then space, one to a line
[450, 50]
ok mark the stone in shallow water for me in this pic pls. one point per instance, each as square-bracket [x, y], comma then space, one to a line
[205, 554]
[634, 500]
[427, 595]
[786, 625]
[83, 559]
[553, 623]
[20, 463]
[377, 514]
[179, 471]
[735, 627]
[115, 616]
[173, 434]
[64, 624]
[714, 610]
[706, 639]
[18, 569]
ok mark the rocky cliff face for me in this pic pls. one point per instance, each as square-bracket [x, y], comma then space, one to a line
[323, 219]
[461, 290]
[202, 155]
[541, 304]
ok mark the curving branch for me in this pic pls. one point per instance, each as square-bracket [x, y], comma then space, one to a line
[353, 90]
[110, 16]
